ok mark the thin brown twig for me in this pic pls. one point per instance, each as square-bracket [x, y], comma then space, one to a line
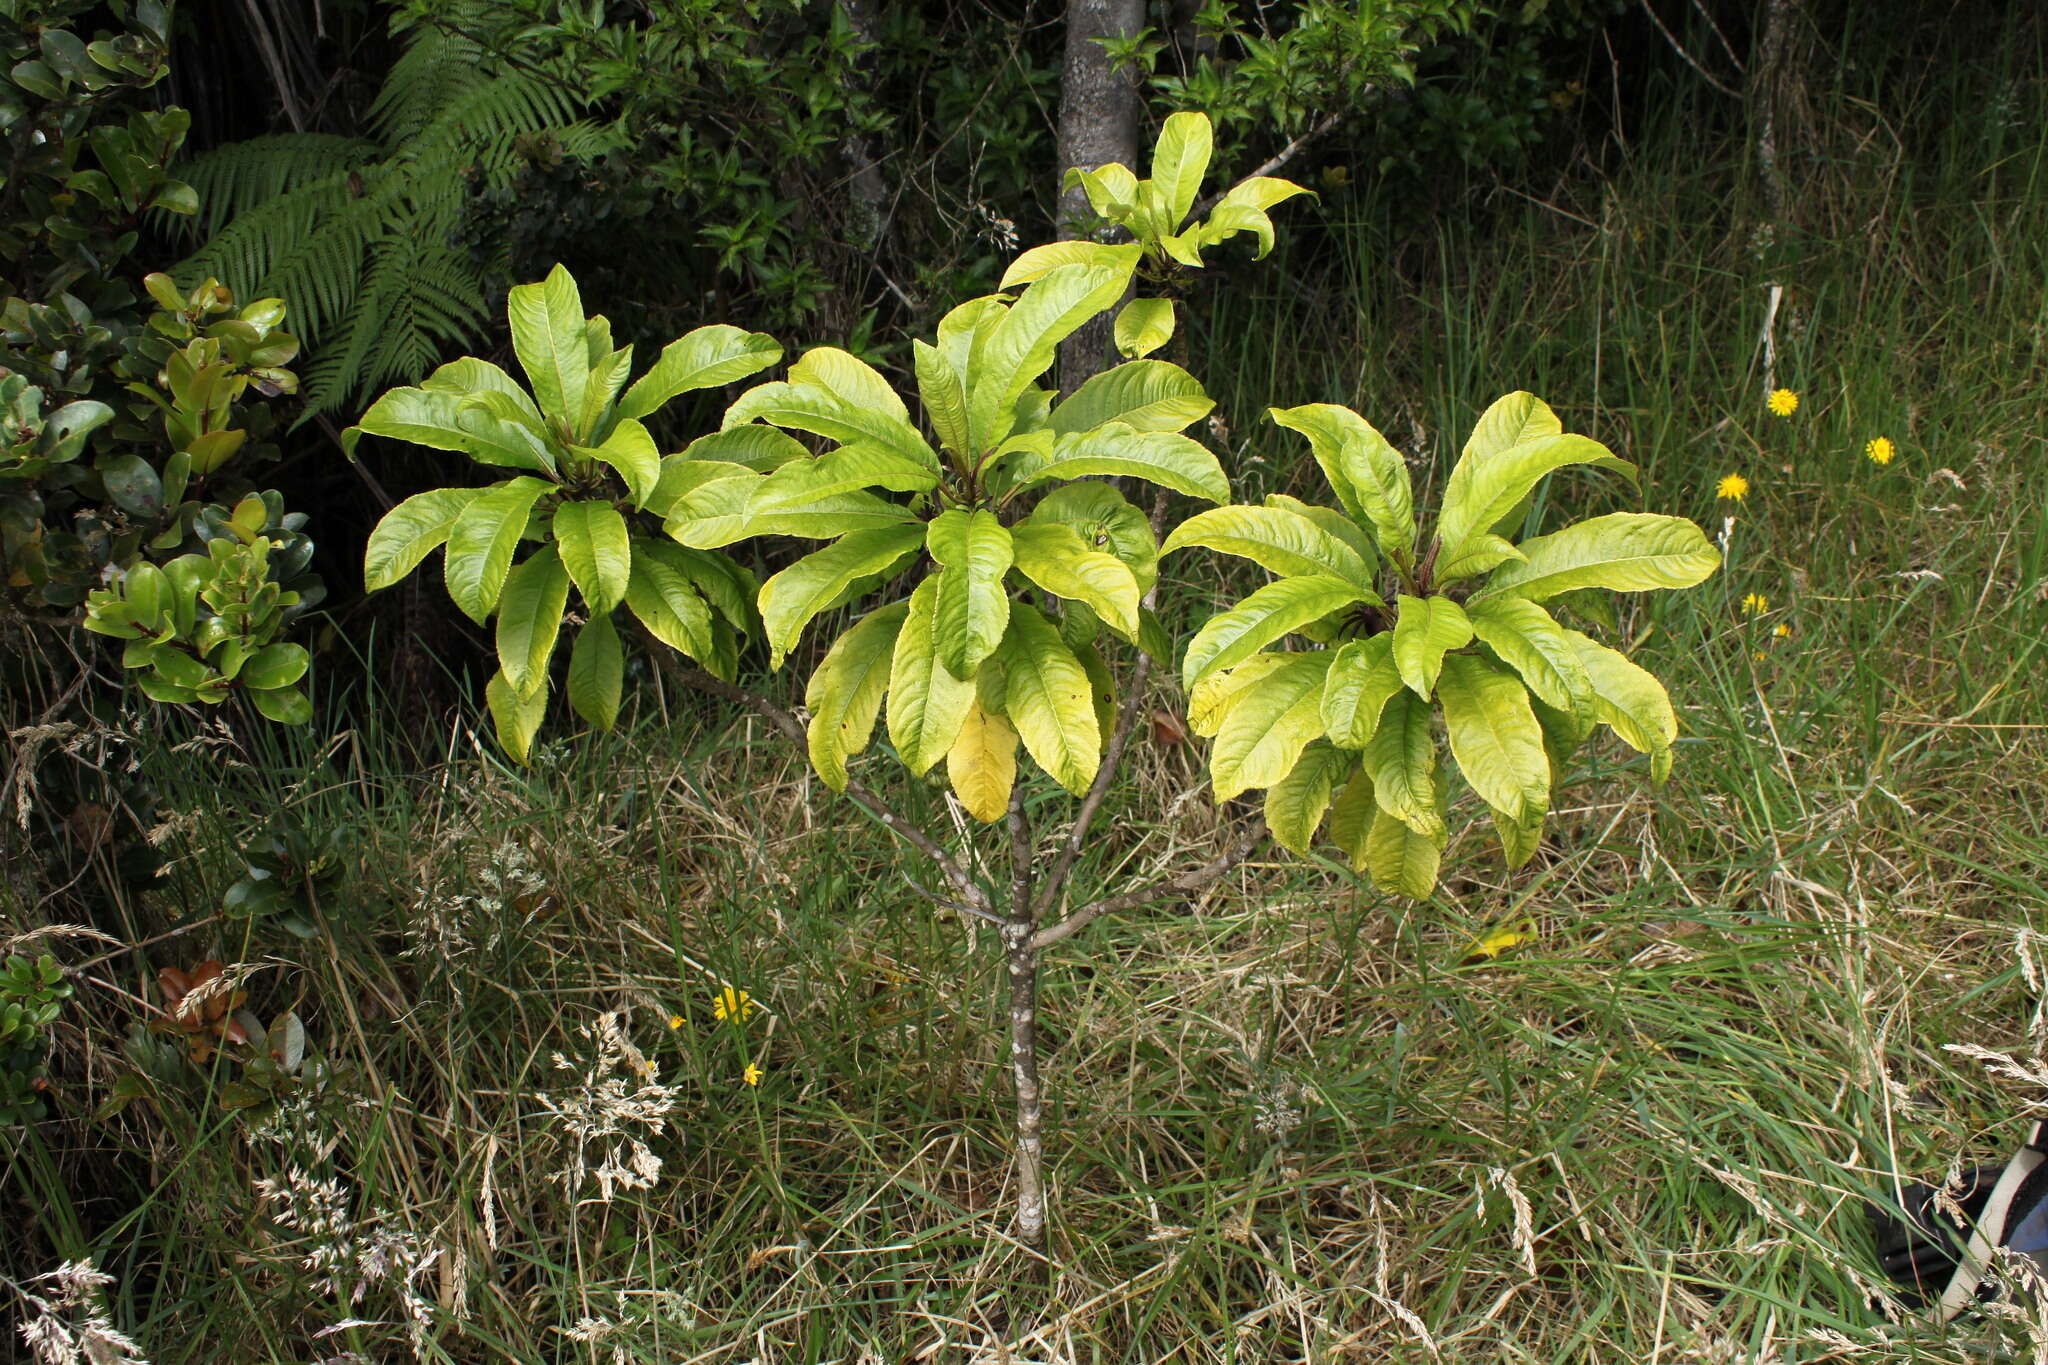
[1276, 161]
[1187, 883]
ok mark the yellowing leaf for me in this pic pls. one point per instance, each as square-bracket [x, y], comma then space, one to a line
[1494, 736]
[845, 692]
[1425, 629]
[1624, 551]
[1265, 730]
[982, 764]
[1143, 326]
[1500, 938]
[1274, 611]
[927, 704]
[1049, 700]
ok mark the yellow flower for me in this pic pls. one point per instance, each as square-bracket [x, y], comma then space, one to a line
[1755, 603]
[1880, 450]
[1783, 630]
[1782, 402]
[1733, 487]
[732, 1004]
[675, 1021]
[753, 1074]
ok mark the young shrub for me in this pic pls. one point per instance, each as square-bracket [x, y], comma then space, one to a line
[1412, 626]
[590, 484]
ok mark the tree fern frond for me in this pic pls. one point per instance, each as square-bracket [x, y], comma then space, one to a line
[235, 179]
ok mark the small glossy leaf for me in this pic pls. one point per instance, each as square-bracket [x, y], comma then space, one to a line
[283, 705]
[1143, 326]
[275, 665]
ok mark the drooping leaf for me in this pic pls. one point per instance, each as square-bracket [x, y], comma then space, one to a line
[1630, 700]
[974, 551]
[1295, 805]
[824, 412]
[597, 672]
[1042, 260]
[1244, 209]
[1352, 812]
[1277, 539]
[1047, 700]
[1401, 756]
[1494, 736]
[927, 703]
[435, 420]
[1485, 488]
[1053, 555]
[1264, 732]
[1402, 862]
[982, 764]
[862, 464]
[792, 597]
[1366, 473]
[596, 550]
[1145, 395]
[1363, 677]
[517, 715]
[1021, 347]
[1529, 641]
[1210, 700]
[547, 336]
[1624, 551]
[410, 532]
[1519, 840]
[481, 542]
[845, 693]
[700, 359]
[1425, 629]
[1276, 610]
[530, 618]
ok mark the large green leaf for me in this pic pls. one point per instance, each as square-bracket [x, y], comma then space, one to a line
[730, 589]
[596, 550]
[597, 672]
[547, 336]
[1143, 326]
[791, 598]
[1276, 610]
[1053, 555]
[1352, 812]
[721, 511]
[1210, 700]
[1509, 421]
[516, 714]
[1624, 551]
[1494, 736]
[1179, 160]
[435, 419]
[1631, 701]
[1366, 473]
[1485, 488]
[1145, 395]
[927, 704]
[1402, 862]
[669, 605]
[1529, 641]
[481, 542]
[700, 359]
[1243, 209]
[630, 449]
[1105, 520]
[1047, 699]
[862, 464]
[1296, 803]
[1401, 756]
[1042, 260]
[470, 376]
[754, 445]
[944, 391]
[1021, 347]
[1277, 539]
[1161, 457]
[845, 693]
[410, 532]
[1265, 730]
[1363, 677]
[1425, 629]
[974, 551]
[530, 618]
[826, 412]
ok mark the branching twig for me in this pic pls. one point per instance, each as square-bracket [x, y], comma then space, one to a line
[1679, 48]
[1185, 884]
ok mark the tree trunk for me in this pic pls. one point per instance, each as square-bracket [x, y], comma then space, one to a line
[1773, 75]
[1098, 125]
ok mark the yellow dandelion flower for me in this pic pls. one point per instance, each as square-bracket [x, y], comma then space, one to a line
[675, 1021]
[753, 1074]
[731, 1003]
[1732, 487]
[1755, 603]
[1758, 656]
[1880, 450]
[1782, 402]
[1783, 630]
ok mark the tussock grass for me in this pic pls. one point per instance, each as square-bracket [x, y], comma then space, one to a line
[1291, 1122]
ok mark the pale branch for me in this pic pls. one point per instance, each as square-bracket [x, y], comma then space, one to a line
[1679, 48]
[792, 729]
[1186, 884]
[1277, 160]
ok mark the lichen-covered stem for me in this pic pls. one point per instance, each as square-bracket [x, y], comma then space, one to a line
[1021, 953]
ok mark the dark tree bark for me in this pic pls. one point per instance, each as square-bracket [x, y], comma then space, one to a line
[1098, 124]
